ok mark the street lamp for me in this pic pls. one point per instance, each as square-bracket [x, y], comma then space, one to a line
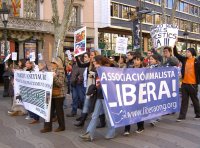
[4, 12]
[185, 34]
[137, 25]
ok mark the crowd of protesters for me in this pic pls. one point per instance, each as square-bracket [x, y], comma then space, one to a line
[83, 84]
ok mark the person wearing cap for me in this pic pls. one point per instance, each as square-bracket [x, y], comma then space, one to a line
[57, 102]
[190, 79]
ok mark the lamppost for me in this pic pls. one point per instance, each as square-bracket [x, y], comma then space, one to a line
[185, 34]
[4, 12]
[137, 25]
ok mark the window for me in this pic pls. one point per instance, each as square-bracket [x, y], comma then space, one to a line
[151, 1]
[186, 7]
[181, 6]
[31, 9]
[157, 2]
[169, 3]
[74, 16]
[188, 25]
[181, 24]
[133, 13]
[194, 28]
[196, 12]
[115, 10]
[157, 19]
[191, 9]
[176, 22]
[125, 12]
[149, 19]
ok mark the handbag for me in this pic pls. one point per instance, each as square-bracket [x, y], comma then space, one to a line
[56, 91]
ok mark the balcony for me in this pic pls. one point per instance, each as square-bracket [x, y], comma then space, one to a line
[25, 24]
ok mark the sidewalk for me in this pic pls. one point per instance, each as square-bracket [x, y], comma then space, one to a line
[17, 133]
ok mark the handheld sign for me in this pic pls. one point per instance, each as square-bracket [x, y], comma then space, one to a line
[69, 55]
[14, 56]
[164, 35]
[40, 57]
[80, 41]
[8, 56]
[32, 56]
[121, 45]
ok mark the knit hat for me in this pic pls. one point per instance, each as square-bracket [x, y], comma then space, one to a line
[58, 61]
[193, 52]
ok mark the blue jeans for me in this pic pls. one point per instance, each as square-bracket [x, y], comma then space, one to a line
[33, 115]
[99, 106]
[78, 94]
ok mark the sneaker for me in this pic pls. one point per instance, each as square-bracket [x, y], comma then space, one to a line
[139, 131]
[180, 119]
[28, 118]
[197, 118]
[86, 137]
[153, 124]
[71, 115]
[126, 133]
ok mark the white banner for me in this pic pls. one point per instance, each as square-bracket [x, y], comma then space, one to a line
[34, 90]
[164, 35]
[121, 45]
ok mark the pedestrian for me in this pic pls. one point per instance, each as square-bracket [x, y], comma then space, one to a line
[99, 105]
[57, 98]
[138, 63]
[190, 79]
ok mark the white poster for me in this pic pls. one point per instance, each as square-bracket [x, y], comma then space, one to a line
[80, 41]
[14, 56]
[32, 56]
[69, 54]
[121, 45]
[34, 90]
[164, 35]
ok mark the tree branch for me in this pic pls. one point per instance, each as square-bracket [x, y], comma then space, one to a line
[55, 16]
[163, 17]
[173, 11]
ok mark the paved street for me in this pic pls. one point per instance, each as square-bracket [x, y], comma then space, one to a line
[17, 133]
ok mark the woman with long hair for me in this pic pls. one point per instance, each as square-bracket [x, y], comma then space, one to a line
[99, 105]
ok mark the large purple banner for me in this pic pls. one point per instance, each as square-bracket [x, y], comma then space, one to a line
[138, 94]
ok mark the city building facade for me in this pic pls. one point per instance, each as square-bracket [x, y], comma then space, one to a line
[30, 27]
[187, 18]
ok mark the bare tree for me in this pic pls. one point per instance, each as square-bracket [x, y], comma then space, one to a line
[60, 29]
[173, 12]
[163, 16]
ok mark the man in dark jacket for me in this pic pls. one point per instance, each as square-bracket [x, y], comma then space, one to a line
[78, 92]
[190, 79]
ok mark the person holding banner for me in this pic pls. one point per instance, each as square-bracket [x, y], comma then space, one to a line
[99, 105]
[138, 63]
[90, 80]
[58, 98]
[190, 79]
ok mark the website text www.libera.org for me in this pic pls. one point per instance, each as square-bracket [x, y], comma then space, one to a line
[150, 110]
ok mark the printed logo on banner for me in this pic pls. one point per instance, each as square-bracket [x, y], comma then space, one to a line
[134, 95]
[164, 35]
[34, 90]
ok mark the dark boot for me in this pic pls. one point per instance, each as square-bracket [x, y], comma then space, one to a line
[102, 121]
[82, 121]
